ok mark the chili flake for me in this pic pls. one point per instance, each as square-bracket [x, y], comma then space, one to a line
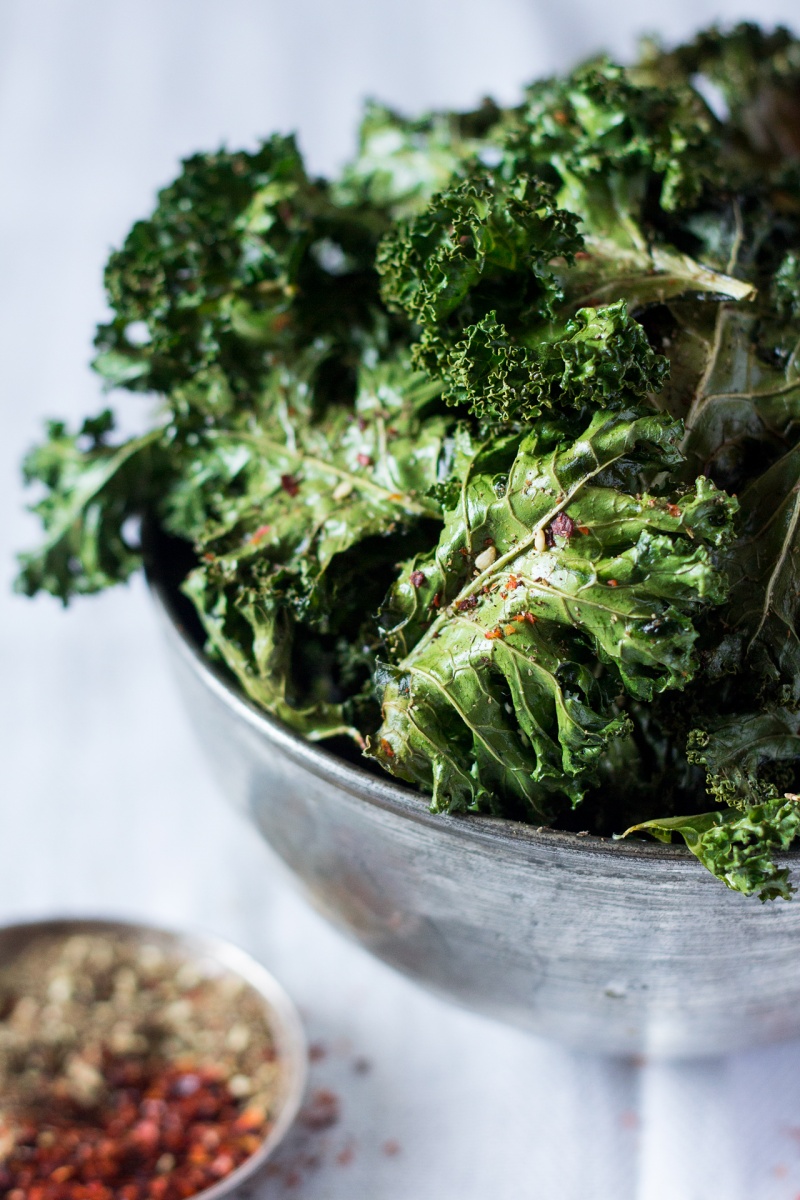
[493, 633]
[417, 578]
[127, 1072]
[562, 525]
[290, 485]
[259, 535]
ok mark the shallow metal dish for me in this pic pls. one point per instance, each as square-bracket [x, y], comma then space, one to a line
[287, 1030]
[626, 948]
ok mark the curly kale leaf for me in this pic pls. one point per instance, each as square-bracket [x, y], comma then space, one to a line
[756, 75]
[609, 139]
[747, 756]
[491, 696]
[479, 246]
[93, 487]
[490, 273]
[622, 155]
[750, 761]
[738, 847]
[298, 521]
[243, 255]
[764, 607]
[601, 357]
[401, 162]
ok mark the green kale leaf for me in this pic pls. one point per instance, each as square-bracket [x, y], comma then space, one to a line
[402, 163]
[490, 694]
[93, 488]
[243, 257]
[738, 847]
[298, 519]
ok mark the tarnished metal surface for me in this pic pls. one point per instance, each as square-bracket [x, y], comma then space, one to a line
[626, 948]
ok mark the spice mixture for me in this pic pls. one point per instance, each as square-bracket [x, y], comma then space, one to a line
[128, 1072]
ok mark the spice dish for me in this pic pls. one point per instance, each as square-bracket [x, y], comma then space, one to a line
[139, 1064]
[616, 947]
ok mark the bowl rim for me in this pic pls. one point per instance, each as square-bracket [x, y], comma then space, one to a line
[389, 794]
[284, 1019]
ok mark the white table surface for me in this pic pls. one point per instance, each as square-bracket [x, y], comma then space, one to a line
[105, 803]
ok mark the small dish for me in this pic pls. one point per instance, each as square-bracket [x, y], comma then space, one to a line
[209, 959]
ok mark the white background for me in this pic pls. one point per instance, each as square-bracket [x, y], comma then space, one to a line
[105, 804]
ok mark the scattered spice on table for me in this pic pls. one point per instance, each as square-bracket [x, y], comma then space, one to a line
[128, 1072]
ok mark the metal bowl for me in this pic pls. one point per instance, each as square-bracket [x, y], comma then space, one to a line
[624, 948]
[204, 951]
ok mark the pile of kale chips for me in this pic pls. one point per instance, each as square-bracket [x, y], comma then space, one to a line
[488, 451]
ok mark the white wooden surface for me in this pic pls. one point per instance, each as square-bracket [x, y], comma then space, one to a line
[105, 804]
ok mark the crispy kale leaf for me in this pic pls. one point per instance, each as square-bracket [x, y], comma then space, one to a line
[298, 520]
[540, 574]
[756, 75]
[738, 847]
[244, 257]
[93, 487]
[474, 270]
[401, 162]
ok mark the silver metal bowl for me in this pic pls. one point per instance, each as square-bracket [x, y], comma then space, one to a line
[205, 952]
[624, 948]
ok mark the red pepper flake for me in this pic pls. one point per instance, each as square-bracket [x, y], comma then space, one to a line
[584, 529]
[346, 1154]
[526, 616]
[417, 578]
[259, 534]
[509, 629]
[290, 485]
[106, 1154]
[208, 556]
[562, 525]
[103, 1122]
[436, 601]
[493, 633]
[612, 583]
[467, 603]
[387, 749]
[281, 322]
[582, 255]
[323, 1108]
[363, 460]
[673, 510]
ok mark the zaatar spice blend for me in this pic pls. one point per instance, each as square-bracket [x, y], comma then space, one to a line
[128, 1072]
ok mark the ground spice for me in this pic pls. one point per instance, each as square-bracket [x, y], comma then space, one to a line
[128, 1072]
